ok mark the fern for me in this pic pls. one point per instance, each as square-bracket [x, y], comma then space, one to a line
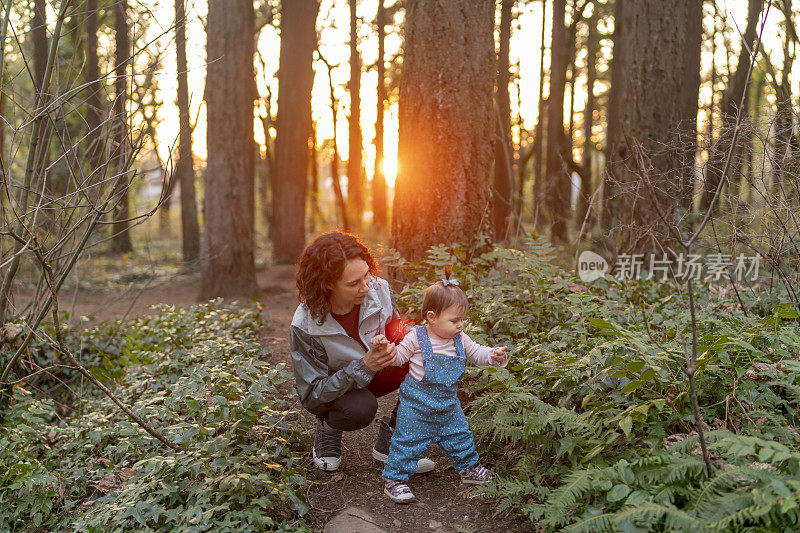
[577, 483]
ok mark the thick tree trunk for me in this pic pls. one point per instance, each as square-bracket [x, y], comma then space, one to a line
[648, 162]
[558, 182]
[379, 179]
[732, 98]
[355, 174]
[184, 167]
[441, 194]
[501, 189]
[121, 241]
[298, 37]
[226, 257]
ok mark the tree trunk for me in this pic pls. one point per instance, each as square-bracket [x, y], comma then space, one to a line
[226, 258]
[121, 241]
[690, 91]
[615, 146]
[648, 162]
[3, 188]
[710, 111]
[783, 112]
[94, 88]
[501, 189]
[298, 38]
[732, 98]
[39, 31]
[184, 167]
[337, 186]
[539, 130]
[445, 155]
[355, 174]
[558, 182]
[592, 43]
[379, 215]
[313, 169]
[266, 170]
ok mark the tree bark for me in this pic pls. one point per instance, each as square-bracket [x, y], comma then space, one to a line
[121, 241]
[592, 44]
[445, 155]
[501, 189]
[94, 106]
[558, 182]
[298, 37]
[734, 95]
[355, 174]
[184, 167]
[379, 215]
[689, 104]
[647, 162]
[539, 130]
[226, 257]
[615, 147]
[783, 110]
[39, 31]
[313, 169]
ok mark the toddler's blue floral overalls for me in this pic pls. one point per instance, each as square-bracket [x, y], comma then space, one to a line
[430, 412]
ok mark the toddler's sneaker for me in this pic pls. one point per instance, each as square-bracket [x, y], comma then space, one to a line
[397, 491]
[477, 475]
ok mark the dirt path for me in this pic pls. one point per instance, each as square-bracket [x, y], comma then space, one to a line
[442, 505]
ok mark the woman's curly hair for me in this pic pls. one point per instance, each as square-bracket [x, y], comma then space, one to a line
[322, 264]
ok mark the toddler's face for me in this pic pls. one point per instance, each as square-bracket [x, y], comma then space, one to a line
[447, 324]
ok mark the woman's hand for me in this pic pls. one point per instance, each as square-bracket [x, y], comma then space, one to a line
[381, 354]
[499, 355]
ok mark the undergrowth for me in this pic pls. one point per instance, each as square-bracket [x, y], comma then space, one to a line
[199, 376]
[590, 426]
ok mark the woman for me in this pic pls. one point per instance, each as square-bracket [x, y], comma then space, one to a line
[343, 305]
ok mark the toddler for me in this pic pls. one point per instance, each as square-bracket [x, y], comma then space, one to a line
[429, 407]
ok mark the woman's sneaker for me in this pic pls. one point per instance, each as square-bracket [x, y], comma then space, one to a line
[477, 475]
[397, 491]
[381, 449]
[327, 447]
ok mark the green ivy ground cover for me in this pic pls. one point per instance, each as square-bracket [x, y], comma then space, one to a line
[199, 377]
[591, 426]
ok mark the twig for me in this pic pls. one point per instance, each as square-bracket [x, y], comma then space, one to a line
[62, 348]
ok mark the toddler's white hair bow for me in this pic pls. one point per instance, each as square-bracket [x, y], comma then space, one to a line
[451, 281]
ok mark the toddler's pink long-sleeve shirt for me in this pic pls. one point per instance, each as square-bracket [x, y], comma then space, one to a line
[409, 350]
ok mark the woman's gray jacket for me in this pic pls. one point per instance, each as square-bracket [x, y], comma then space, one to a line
[327, 362]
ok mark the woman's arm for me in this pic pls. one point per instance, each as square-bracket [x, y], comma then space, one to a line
[311, 379]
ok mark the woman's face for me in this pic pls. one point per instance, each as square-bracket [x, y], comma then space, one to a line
[352, 287]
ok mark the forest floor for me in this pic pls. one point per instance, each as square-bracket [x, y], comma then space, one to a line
[350, 500]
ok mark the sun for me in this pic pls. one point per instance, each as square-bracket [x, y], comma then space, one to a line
[390, 170]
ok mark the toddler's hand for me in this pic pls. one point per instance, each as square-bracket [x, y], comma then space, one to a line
[499, 356]
[377, 340]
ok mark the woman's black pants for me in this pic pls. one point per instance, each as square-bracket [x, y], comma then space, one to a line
[356, 408]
